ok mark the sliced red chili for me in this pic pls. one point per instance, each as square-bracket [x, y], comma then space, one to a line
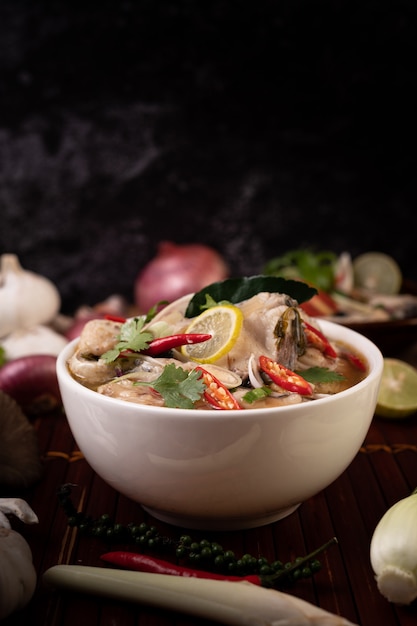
[217, 394]
[284, 377]
[356, 361]
[318, 340]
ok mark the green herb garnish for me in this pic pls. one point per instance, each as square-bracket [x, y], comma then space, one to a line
[317, 268]
[321, 375]
[180, 389]
[131, 338]
[257, 394]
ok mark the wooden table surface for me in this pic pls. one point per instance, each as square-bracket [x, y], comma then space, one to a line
[384, 470]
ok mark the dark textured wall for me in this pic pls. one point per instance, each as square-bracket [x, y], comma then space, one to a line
[252, 127]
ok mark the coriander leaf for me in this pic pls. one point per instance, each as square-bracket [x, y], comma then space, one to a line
[320, 375]
[257, 394]
[110, 355]
[131, 338]
[154, 310]
[180, 389]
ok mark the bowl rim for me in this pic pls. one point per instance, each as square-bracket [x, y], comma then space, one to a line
[368, 348]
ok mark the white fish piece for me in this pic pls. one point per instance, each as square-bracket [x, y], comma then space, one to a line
[260, 316]
[98, 336]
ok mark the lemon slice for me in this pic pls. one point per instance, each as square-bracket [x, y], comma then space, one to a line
[224, 323]
[377, 272]
[397, 396]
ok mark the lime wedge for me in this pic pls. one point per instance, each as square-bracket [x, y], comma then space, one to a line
[397, 396]
[377, 272]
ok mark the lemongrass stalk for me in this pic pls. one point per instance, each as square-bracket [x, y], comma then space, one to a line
[232, 603]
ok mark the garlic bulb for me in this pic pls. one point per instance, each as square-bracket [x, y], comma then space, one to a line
[17, 573]
[393, 551]
[36, 340]
[26, 299]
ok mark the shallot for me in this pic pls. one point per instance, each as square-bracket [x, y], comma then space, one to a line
[32, 382]
[393, 551]
[176, 271]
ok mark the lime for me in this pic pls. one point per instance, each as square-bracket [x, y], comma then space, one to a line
[224, 323]
[397, 396]
[377, 272]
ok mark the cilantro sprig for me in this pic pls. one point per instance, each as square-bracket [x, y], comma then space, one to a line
[131, 338]
[320, 375]
[180, 389]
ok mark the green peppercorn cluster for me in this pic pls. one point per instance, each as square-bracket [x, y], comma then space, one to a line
[204, 554]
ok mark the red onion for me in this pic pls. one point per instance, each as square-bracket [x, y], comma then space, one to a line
[32, 382]
[176, 271]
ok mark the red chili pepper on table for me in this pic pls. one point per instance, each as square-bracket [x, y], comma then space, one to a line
[217, 394]
[143, 563]
[164, 344]
[284, 377]
[315, 337]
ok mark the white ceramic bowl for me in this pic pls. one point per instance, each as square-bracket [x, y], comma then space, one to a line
[223, 469]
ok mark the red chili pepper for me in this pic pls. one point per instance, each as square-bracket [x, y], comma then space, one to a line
[284, 377]
[143, 563]
[114, 318]
[356, 361]
[315, 337]
[216, 393]
[320, 304]
[164, 344]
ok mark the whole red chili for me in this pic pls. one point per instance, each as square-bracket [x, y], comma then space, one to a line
[144, 563]
[160, 345]
[164, 344]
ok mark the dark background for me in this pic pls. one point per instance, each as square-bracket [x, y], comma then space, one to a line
[252, 127]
